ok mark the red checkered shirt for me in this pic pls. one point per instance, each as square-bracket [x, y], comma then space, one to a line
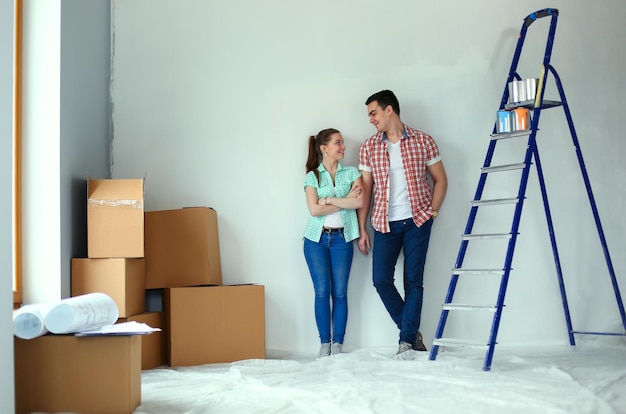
[418, 150]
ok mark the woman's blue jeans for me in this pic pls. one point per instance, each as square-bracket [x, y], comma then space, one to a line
[405, 234]
[329, 263]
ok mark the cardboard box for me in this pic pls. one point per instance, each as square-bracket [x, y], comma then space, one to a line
[153, 350]
[63, 373]
[124, 280]
[182, 248]
[208, 324]
[115, 218]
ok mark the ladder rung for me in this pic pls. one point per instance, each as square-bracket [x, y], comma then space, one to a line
[494, 272]
[599, 333]
[465, 307]
[507, 167]
[458, 343]
[495, 201]
[487, 236]
[515, 134]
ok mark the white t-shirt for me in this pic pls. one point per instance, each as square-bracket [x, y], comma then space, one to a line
[335, 219]
[399, 205]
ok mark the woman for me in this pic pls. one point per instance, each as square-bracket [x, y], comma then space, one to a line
[333, 193]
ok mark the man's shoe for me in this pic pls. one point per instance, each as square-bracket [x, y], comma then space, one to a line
[418, 344]
[404, 346]
[324, 350]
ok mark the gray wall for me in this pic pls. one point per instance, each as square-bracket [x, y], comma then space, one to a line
[215, 101]
[85, 117]
[6, 172]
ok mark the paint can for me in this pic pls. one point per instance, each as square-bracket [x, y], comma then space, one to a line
[504, 122]
[513, 95]
[530, 85]
[522, 119]
[521, 91]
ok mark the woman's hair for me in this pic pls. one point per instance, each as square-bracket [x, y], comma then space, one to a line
[315, 153]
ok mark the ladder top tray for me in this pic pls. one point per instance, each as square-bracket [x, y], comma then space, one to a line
[531, 104]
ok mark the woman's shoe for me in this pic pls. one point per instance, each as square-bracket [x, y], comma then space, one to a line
[324, 350]
[335, 348]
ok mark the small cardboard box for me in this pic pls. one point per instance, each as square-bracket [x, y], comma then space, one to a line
[124, 280]
[182, 248]
[153, 350]
[115, 218]
[63, 373]
[208, 324]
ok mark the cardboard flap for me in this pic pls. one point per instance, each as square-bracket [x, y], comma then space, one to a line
[113, 189]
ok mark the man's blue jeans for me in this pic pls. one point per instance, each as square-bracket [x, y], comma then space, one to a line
[329, 263]
[405, 234]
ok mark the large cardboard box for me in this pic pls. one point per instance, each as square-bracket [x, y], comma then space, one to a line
[182, 248]
[153, 350]
[115, 218]
[208, 324]
[63, 373]
[124, 280]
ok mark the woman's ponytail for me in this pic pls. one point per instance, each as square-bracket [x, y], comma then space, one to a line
[315, 153]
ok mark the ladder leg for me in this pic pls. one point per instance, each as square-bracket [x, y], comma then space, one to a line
[444, 317]
[555, 251]
[495, 325]
[592, 201]
[462, 250]
[521, 195]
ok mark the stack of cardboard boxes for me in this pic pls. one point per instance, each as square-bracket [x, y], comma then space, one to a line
[206, 322]
[115, 264]
[162, 268]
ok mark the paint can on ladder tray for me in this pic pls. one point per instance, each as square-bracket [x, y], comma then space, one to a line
[504, 122]
[522, 119]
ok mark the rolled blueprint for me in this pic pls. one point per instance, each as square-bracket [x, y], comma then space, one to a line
[82, 313]
[28, 321]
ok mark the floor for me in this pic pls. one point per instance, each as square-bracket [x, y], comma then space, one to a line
[587, 378]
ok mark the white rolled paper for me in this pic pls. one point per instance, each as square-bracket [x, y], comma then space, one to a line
[81, 313]
[28, 321]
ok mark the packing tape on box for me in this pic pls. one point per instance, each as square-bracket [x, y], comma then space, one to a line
[115, 203]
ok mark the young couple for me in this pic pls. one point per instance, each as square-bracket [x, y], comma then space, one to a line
[394, 165]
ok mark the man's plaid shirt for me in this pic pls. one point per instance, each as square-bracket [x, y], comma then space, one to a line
[418, 150]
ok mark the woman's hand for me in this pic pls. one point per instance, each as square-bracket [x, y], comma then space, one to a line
[356, 191]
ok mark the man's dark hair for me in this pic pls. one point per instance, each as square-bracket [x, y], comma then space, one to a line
[384, 99]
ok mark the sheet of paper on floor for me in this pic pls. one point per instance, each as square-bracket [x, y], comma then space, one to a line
[587, 378]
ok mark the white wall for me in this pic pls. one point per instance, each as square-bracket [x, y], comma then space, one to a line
[6, 167]
[41, 160]
[66, 118]
[215, 102]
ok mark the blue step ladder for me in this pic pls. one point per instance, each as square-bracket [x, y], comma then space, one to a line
[535, 106]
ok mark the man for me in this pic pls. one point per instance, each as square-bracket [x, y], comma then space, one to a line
[394, 164]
